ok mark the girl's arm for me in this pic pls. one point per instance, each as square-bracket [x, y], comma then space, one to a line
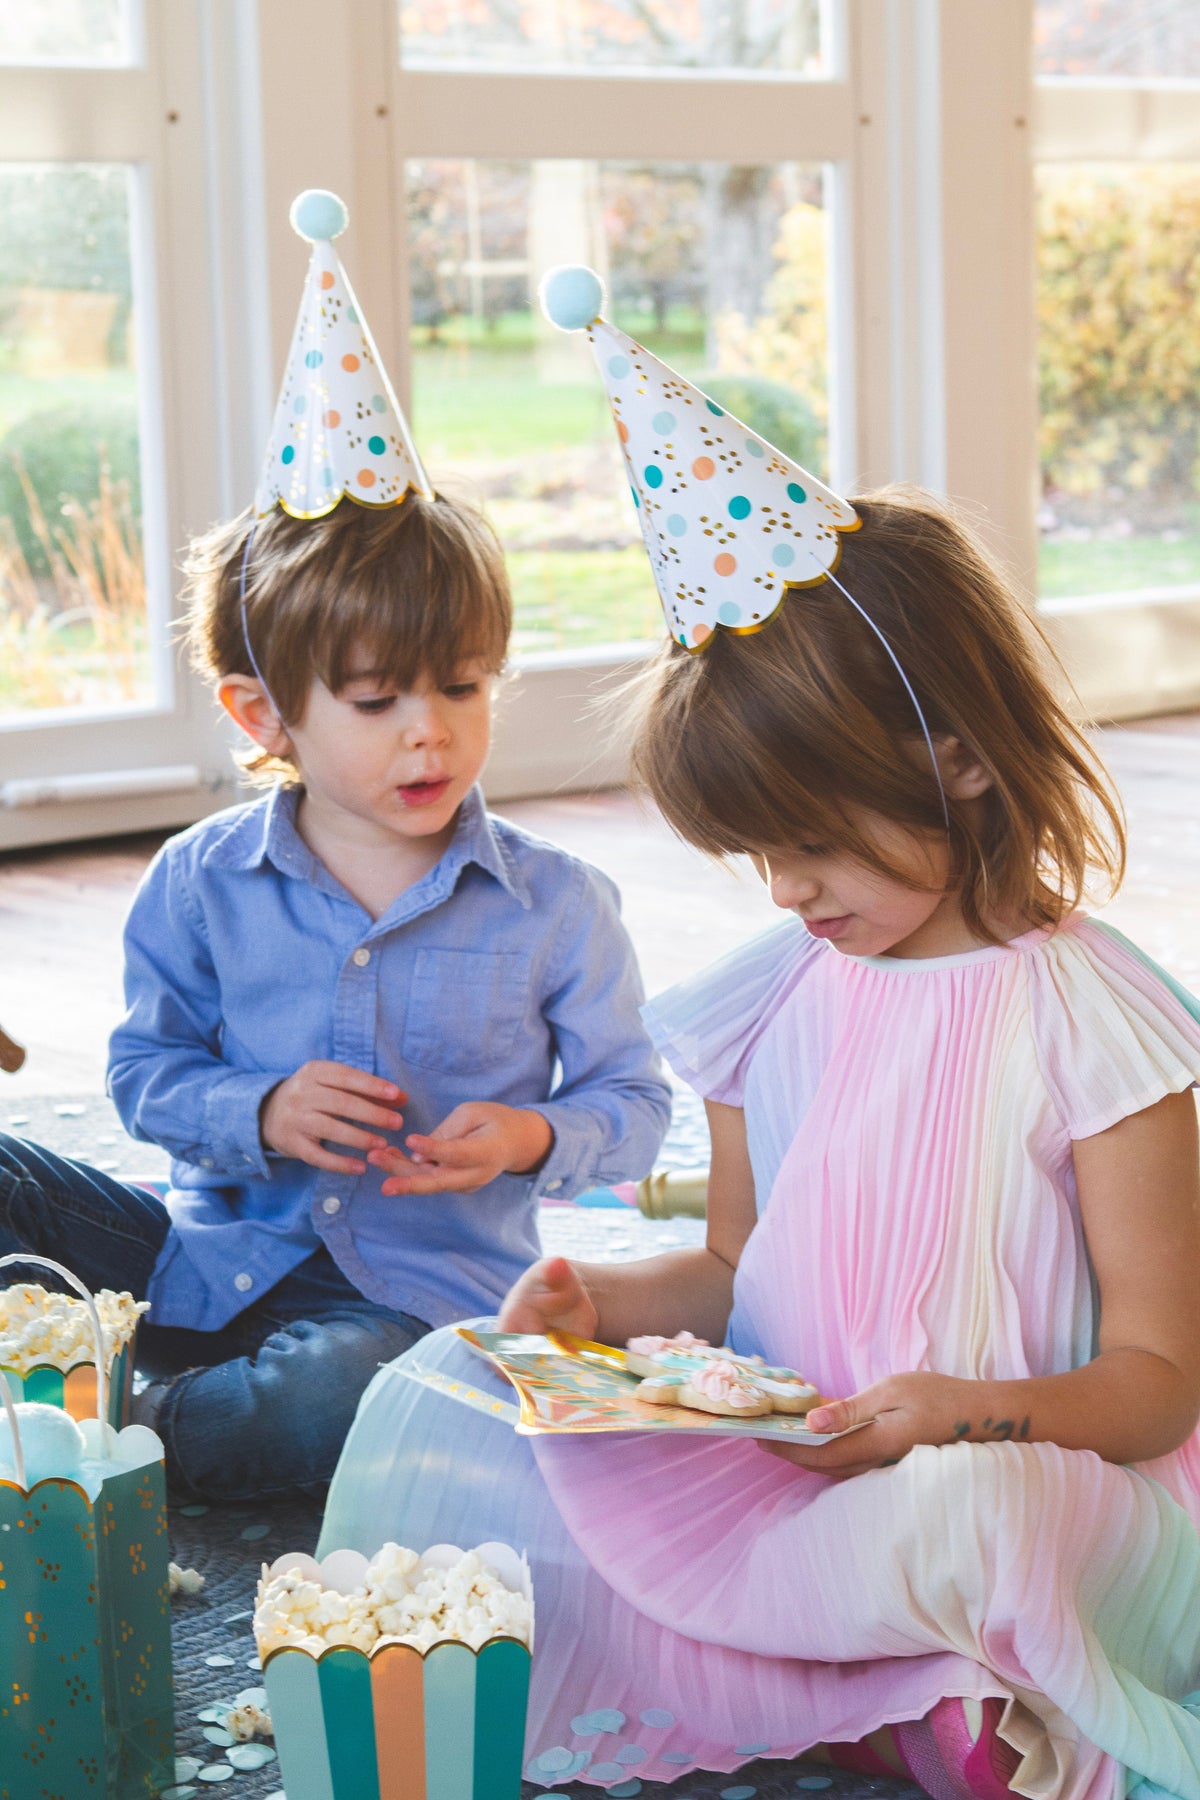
[682, 1290]
[1139, 1196]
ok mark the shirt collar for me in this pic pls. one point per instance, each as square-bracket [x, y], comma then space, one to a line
[266, 832]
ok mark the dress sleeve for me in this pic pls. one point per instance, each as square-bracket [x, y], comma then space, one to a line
[708, 1028]
[1114, 1032]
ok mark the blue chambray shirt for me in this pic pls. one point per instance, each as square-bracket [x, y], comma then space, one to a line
[504, 974]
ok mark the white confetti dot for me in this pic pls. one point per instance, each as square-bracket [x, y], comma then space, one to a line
[210, 1715]
[252, 1533]
[219, 1662]
[251, 1756]
[254, 1662]
[217, 1772]
[217, 1734]
[186, 1767]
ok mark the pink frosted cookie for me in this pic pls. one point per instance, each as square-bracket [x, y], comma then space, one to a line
[682, 1357]
[718, 1387]
[655, 1355]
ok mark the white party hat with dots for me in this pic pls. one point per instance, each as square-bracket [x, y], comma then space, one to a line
[338, 429]
[729, 522]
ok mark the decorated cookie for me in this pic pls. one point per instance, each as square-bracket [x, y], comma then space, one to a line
[679, 1360]
[718, 1387]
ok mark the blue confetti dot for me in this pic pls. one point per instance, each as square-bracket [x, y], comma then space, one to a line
[784, 555]
[738, 1793]
[754, 448]
[637, 498]
[288, 453]
[378, 402]
[739, 507]
[753, 1749]
[814, 1781]
[729, 612]
[678, 1756]
[627, 1789]
[553, 1762]
[714, 408]
[663, 422]
[300, 403]
[605, 1718]
[376, 446]
[653, 474]
[252, 1533]
[796, 493]
[314, 359]
[677, 526]
[654, 1715]
[631, 1754]
[607, 1771]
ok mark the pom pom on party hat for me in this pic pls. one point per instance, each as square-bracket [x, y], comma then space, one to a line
[338, 428]
[729, 522]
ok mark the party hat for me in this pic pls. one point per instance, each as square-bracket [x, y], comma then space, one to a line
[729, 522]
[338, 428]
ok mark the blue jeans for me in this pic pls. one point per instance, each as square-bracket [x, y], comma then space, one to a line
[260, 1407]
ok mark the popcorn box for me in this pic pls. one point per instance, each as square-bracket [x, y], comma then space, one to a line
[398, 1722]
[48, 1346]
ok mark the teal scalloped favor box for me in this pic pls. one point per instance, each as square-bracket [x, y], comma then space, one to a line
[85, 1640]
[447, 1723]
[74, 1389]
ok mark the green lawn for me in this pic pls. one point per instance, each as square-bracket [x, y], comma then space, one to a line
[585, 597]
[1114, 565]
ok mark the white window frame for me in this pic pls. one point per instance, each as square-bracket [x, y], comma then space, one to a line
[167, 762]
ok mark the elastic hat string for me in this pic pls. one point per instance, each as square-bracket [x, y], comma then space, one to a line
[261, 678]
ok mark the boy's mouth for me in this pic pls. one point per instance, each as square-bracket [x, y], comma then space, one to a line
[423, 793]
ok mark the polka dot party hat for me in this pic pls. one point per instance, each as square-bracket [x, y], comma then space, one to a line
[338, 428]
[729, 522]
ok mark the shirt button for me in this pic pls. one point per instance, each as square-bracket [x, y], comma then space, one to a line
[552, 1186]
[243, 1282]
[206, 1162]
[331, 1204]
[362, 957]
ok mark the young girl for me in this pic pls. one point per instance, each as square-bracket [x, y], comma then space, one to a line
[954, 1181]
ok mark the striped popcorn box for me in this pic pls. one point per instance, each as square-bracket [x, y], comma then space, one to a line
[364, 1711]
[48, 1345]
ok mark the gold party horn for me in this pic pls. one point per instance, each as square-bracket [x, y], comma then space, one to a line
[12, 1054]
[674, 1193]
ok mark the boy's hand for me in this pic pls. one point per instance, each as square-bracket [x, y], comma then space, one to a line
[476, 1142]
[549, 1296]
[317, 1102]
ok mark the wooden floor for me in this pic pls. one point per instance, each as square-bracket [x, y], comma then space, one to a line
[61, 910]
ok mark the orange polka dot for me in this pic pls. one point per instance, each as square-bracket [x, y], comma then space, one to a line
[366, 478]
[703, 467]
[701, 633]
[350, 362]
[622, 431]
[725, 564]
[326, 278]
[331, 418]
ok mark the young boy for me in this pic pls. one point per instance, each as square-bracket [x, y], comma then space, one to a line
[371, 1022]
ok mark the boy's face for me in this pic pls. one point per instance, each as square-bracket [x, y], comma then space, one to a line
[380, 764]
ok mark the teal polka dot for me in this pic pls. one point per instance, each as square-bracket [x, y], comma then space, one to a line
[300, 403]
[738, 1793]
[618, 366]
[378, 402]
[314, 359]
[783, 555]
[714, 408]
[664, 423]
[796, 493]
[625, 1790]
[753, 1749]
[637, 498]
[729, 612]
[754, 448]
[677, 525]
[657, 1715]
[739, 507]
[653, 474]
[288, 453]
[809, 1781]
[678, 1756]
[376, 446]
[329, 482]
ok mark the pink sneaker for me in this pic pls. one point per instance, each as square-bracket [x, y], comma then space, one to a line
[957, 1757]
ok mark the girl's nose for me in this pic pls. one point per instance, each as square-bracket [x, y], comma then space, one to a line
[792, 887]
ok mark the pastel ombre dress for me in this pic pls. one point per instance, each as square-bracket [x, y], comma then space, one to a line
[910, 1125]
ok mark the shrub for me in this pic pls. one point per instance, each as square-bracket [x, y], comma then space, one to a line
[61, 451]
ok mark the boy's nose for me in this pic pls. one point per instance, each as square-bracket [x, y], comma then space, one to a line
[424, 724]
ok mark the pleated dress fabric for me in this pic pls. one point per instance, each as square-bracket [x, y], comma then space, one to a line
[699, 1604]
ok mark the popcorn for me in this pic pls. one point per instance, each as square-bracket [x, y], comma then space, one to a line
[248, 1720]
[399, 1599]
[184, 1581]
[39, 1328]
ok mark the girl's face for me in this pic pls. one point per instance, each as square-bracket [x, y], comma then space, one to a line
[863, 912]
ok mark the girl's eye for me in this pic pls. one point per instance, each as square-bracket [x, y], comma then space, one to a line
[378, 704]
[460, 690]
[814, 849]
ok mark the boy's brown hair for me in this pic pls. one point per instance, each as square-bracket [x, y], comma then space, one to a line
[415, 590]
[795, 733]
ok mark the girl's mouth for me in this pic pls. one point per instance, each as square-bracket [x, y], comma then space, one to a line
[423, 793]
[828, 928]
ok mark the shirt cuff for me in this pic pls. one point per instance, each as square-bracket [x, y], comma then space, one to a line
[572, 1165]
[234, 1144]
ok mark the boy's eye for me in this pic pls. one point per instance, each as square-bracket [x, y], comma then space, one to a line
[459, 690]
[377, 704]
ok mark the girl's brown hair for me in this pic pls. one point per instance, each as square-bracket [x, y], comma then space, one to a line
[406, 592]
[797, 732]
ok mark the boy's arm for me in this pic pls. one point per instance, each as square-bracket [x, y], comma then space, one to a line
[165, 1072]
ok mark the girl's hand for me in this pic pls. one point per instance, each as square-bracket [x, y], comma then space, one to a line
[476, 1142]
[316, 1103]
[549, 1296]
[904, 1410]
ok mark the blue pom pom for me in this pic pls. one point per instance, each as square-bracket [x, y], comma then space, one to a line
[318, 215]
[50, 1438]
[572, 296]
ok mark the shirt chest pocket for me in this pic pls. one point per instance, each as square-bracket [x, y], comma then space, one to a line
[466, 1008]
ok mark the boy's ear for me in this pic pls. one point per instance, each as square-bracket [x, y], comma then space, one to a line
[964, 776]
[246, 702]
